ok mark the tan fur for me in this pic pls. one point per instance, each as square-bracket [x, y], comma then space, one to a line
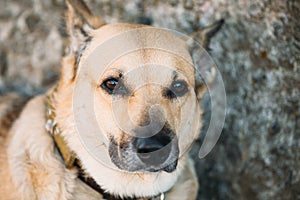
[30, 166]
[38, 172]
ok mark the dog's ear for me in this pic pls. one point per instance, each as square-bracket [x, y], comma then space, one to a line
[205, 71]
[79, 22]
[204, 35]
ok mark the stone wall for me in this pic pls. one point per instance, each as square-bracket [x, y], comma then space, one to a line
[258, 54]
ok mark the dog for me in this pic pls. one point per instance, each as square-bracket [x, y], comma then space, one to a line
[146, 113]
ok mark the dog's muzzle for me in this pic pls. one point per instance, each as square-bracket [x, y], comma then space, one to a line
[159, 152]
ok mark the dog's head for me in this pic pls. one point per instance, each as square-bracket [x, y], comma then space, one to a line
[146, 98]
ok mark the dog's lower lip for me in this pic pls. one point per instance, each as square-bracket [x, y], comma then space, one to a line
[153, 170]
[171, 167]
[168, 169]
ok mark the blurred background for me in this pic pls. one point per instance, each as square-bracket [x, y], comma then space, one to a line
[257, 51]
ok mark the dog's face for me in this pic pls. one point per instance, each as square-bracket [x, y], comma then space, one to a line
[143, 102]
[146, 101]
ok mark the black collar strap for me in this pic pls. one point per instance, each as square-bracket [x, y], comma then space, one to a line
[70, 158]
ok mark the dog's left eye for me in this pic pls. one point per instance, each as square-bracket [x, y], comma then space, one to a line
[177, 89]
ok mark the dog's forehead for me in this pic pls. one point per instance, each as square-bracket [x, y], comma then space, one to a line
[109, 31]
[152, 50]
[152, 65]
[129, 37]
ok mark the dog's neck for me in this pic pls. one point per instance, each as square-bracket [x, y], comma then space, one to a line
[70, 159]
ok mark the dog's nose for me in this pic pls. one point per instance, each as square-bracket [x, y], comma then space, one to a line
[153, 150]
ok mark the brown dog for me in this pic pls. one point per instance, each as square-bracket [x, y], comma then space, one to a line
[139, 82]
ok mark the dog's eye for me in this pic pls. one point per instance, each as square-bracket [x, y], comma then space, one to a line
[111, 85]
[177, 89]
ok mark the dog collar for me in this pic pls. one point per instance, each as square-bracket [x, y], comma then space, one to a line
[69, 157]
[53, 129]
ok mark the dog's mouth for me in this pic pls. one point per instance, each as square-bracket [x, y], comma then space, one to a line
[169, 168]
[153, 154]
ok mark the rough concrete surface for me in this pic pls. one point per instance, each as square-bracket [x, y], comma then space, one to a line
[258, 54]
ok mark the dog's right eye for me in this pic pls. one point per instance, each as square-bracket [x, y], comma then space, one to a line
[113, 86]
[110, 84]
